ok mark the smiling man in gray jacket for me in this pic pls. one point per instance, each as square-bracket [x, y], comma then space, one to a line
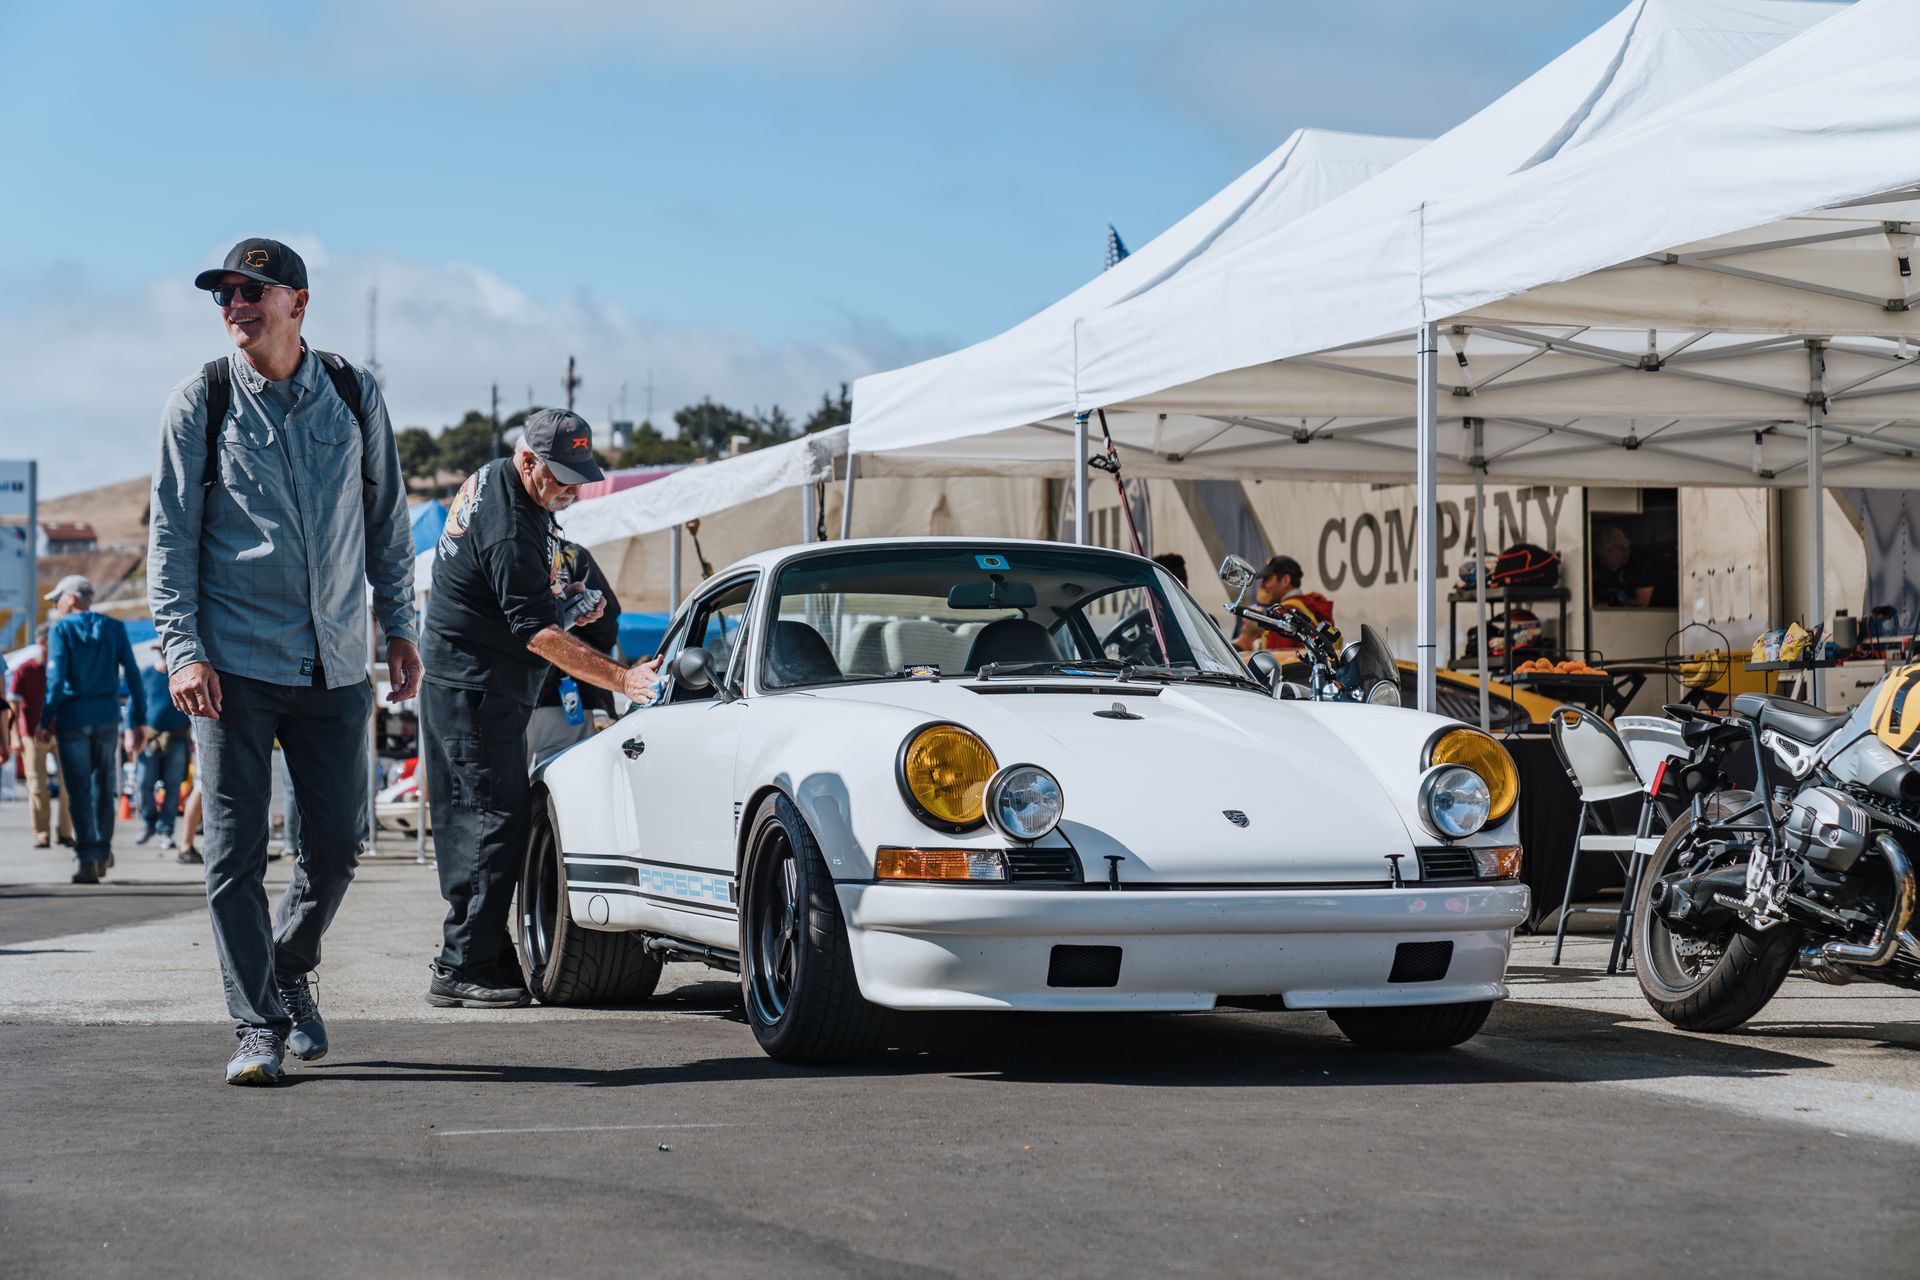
[277, 502]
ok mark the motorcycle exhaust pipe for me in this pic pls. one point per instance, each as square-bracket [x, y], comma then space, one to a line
[1888, 937]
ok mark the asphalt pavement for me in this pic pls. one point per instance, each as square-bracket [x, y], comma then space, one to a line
[1577, 1136]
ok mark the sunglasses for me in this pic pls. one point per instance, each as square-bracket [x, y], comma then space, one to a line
[252, 291]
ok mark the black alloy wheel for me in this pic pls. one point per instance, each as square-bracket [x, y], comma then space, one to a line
[564, 963]
[797, 978]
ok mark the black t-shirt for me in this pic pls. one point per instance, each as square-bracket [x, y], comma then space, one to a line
[578, 565]
[494, 575]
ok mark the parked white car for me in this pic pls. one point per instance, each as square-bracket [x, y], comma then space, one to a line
[903, 775]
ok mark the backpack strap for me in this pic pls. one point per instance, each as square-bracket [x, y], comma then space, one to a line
[345, 384]
[219, 375]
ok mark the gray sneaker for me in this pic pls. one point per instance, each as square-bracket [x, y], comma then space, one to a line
[308, 1039]
[257, 1060]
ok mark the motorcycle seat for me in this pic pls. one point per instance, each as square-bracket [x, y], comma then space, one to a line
[1801, 721]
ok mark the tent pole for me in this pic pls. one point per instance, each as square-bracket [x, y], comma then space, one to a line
[806, 511]
[846, 498]
[1080, 478]
[1427, 569]
[673, 568]
[1480, 569]
[1817, 509]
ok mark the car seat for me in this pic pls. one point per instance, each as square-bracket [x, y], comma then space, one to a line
[797, 654]
[1011, 640]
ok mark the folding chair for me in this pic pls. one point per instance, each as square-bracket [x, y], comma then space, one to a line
[1602, 768]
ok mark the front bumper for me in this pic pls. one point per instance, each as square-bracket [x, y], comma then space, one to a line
[953, 947]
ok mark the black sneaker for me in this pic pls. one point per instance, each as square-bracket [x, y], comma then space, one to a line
[450, 991]
[89, 873]
[144, 836]
[189, 857]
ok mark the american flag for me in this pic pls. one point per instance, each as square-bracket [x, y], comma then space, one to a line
[1116, 248]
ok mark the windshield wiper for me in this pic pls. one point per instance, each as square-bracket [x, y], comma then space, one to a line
[1058, 665]
[1193, 675]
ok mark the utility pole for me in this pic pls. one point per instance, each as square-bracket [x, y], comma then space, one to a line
[649, 417]
[496, 419]
[572, 384]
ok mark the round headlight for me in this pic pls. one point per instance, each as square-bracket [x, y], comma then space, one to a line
[1480, 753]
[1453, 801]
[943, 775]
[1384, 693]
[1024, 802]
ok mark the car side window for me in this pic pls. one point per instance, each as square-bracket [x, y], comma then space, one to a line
[718, 625]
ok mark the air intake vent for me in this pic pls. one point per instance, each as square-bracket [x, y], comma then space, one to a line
[1446, 864]
[1086, 967]
[1419, 961]
[1026, 866]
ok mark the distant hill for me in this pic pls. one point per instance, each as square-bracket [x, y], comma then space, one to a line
[114, 511]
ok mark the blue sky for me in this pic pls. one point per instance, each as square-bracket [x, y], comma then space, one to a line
[752, 199]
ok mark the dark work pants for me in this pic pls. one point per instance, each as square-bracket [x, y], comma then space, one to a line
[477, 786]
[324, 735]
[167, 770]
[92, 784]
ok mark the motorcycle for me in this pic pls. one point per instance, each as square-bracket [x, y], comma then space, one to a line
[1361, 670]
[1814, 872]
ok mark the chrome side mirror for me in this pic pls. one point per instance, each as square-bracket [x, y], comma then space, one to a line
[1239, 577]
[692, 669]
[1265, 668]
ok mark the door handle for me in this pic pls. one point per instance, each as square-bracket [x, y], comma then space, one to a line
[633, 748]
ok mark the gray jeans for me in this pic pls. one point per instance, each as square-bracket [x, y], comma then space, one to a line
[324, 735]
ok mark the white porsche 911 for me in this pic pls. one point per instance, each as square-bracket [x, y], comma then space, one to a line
[907, 775]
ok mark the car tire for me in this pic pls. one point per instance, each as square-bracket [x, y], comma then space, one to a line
[797, 980]
[1412, 1027]
[564, 963]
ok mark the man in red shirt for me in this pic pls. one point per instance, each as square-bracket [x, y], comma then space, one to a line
[28, 689]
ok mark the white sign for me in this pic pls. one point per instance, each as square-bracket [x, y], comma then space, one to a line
[16, 488]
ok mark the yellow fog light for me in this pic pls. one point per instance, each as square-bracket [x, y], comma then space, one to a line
[943, 772]
[1502, 862]
[939, 864]
[1474, 750]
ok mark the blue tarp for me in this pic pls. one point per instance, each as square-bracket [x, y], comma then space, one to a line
[641, 634]
[429, 518]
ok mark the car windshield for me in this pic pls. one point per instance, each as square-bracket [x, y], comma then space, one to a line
[890, 613]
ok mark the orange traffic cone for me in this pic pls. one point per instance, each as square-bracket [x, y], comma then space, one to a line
[126, 806]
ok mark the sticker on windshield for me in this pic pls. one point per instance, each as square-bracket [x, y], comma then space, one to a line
[991, 562]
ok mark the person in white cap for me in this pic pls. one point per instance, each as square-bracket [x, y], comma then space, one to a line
[88, 654]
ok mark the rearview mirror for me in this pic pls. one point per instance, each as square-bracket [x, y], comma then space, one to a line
[692, 669]
[1235, 572]
[995, 593]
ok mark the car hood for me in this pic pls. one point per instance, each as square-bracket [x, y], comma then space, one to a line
[1191, 785]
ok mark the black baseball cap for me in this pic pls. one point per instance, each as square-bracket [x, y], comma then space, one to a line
[563, 440]
[267, 261]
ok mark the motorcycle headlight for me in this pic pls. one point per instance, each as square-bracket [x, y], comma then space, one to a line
[1384, 693]
[1454, 801]
[943, 771]
[1474, 750]
[1024, 802]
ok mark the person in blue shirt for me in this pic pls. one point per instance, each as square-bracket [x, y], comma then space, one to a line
[87, 654]
[163, 764]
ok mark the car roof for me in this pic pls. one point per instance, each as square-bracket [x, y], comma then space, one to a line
[776, 556]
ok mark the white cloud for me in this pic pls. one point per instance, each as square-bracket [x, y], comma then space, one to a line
[90, 367]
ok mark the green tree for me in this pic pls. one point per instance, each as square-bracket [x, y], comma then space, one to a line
[772, 427]
[467, 445]
[419, 454]
[832, 412]
[709, 428]
[648, 448]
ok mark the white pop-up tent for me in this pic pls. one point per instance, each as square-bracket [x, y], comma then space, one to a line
[943, 415]
[1636, 225]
